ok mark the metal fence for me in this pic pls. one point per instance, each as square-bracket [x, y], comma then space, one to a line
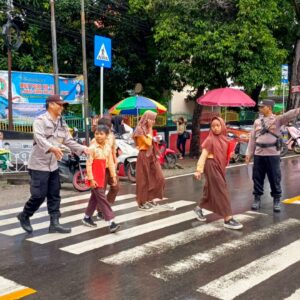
[15, 163]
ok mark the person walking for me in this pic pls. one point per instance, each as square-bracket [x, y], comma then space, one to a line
[100, 158]
[50, 132]
[264, 146]
[150, 181]
[212, 163]
[181, 140]
[114, 187]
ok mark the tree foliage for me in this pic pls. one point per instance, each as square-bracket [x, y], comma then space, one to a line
[135, 57]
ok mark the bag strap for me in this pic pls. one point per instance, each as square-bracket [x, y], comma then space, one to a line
[266, 130]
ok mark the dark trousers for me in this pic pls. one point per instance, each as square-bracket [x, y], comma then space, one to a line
[98, 199]
[269, 165]
[181, 144]
[43, 184]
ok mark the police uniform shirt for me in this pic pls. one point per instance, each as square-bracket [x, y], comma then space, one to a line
[48, 133]
[273, 124]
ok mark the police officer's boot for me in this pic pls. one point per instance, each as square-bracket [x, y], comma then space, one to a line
[256, 203]
[25, 222]
[276, 205]
[56, 227]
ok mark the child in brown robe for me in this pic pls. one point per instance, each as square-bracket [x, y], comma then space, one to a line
[212, 162]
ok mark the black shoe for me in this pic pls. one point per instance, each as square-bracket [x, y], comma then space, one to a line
[256, 204]
[25, 222]
[89, 222]
[232, 224]
[114, 227]
[276, 206]
[55, 227]
[100, 215]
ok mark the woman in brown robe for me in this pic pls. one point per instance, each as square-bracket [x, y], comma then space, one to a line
[212, 162]
[150, 181]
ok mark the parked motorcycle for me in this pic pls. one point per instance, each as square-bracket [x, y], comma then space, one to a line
[292, 140]
[72, 168]
[167, 157]
[126, 157]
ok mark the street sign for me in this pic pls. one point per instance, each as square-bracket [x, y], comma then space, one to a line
[284, 74]
[295, 89]
[102, 51]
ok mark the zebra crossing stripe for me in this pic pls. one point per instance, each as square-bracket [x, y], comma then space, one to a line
[10, 290]
[294, 296]
[239, 281]
[19, 230]
[126, 234]
[63, 201]
[169, 242]
[209, 256]
[47, 238]
[45, 213]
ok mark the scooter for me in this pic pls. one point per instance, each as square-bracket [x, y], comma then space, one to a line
[126, 157]
[293, 140]
[167, 157]
[72, 168]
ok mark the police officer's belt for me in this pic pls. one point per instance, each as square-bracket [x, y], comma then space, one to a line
[265, 145]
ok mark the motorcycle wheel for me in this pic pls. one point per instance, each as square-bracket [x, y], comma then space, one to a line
[170, 161]
[297, 149]
[284, 150]
[79, 181]
[131, 171]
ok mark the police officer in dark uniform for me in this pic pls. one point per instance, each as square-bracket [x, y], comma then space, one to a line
[264, 145]
[50, 132]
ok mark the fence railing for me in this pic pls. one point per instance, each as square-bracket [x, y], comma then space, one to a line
[14, 162]
[161, 120]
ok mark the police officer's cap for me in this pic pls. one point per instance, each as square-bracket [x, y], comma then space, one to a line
[57, 99]
[266, 102]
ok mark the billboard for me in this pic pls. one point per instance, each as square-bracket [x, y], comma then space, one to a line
[30, 91]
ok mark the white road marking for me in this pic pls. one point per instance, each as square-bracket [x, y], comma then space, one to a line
[62, 210]
[228, 167]
[63, 201]
[64, 220]
[239, 281]
[169, 242]
[47, 238]
[294, 296]
[128, 233]
[209, 256]
[8, 287]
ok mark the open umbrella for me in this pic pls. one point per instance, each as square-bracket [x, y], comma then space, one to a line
[136, 105]
[226, 97]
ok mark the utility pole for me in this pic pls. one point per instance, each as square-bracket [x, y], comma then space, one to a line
[54, 48]
[9, 65]
[86, 96]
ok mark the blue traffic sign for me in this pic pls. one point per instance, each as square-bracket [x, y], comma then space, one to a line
[284, 74]
[102, 51]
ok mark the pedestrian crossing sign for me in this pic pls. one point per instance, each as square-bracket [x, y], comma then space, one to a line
[102, 51]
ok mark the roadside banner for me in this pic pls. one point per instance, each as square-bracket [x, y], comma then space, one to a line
[30, 91]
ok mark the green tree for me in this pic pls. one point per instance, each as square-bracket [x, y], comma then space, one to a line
[206, 42]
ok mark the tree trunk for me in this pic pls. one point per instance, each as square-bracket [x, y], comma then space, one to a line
[195, 141]
[294, 98]
[255, 93]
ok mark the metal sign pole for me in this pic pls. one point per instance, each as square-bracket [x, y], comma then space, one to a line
[283, 86]
[101, 91]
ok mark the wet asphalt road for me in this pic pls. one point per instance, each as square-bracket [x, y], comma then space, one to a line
[162, 254]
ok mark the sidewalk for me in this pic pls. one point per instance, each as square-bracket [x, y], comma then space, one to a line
[19, 194]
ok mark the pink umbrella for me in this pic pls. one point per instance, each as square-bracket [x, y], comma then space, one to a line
[225, 97]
